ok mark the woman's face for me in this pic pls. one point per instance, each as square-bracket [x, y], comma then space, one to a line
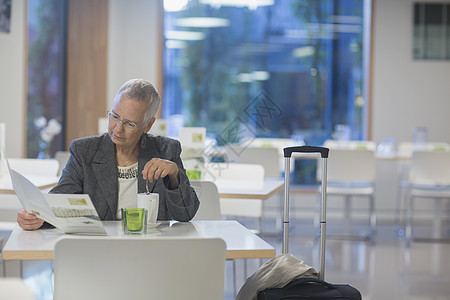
[126, 122]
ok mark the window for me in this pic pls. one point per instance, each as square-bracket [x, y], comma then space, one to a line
[270, 68]
[46, 77]
[431, 31]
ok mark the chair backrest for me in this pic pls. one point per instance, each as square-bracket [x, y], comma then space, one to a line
[232, 171]
[33, 166]
[159, 127]
[154, 268]
[62, 157]
[192, 141]
[352, 144]
[407, 148]
[279, 143]
[268, 157]
[430, 167]
[102, 125]
[208, 196]
[350, 166]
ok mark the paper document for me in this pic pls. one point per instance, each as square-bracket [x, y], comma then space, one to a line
[72, 213]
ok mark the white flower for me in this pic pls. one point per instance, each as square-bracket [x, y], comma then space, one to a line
[40, 122]
[48, 132]
[46, 135]
[54, 127]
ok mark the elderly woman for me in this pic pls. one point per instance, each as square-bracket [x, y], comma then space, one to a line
[112, 168]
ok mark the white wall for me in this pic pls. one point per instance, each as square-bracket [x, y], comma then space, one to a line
[12, 80]
[132, 43]
[406, 93]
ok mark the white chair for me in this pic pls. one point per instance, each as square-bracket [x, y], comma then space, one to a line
[192, 141]
[208, 196]
[159, 127]
[351, 144]
[102, 125]
[209, 208]
[241, 176]
[62, 157]
[155, 268]
[351, 173]
[429, 178]
[406, 150]
[14, 288]
[268, 157]
[280, 144]
[32, 166]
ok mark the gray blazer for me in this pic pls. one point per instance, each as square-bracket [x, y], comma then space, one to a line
[92, 169]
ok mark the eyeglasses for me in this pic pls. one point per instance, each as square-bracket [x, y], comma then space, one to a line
[129, 125]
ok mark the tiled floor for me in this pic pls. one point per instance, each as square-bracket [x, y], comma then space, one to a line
[387, 269]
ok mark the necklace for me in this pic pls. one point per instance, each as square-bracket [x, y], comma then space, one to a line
[128, 172]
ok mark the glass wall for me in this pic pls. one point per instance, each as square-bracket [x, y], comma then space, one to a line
[270, 68]
[46, 77]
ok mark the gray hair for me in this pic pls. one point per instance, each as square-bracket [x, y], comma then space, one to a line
[141, 90]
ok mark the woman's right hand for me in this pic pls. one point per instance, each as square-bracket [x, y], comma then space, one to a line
[28, 221]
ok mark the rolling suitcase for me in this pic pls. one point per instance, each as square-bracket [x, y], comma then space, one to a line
[308, 288]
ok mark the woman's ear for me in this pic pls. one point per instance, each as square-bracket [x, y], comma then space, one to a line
[149, 125]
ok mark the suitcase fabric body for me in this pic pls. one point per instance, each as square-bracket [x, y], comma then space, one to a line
[308, 288]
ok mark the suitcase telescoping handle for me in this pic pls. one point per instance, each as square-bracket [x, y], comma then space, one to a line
[323, 219]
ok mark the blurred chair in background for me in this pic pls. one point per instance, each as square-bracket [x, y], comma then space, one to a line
[351, 144]
[429, 178]
[237, 177]
[351, 174]
[192, 141]
[208, 195]
[102, 125]
[405, 153]
[209, 208]
[33, 166]
[268, 157]
[159, 127]
[406, 149]
[62, 157]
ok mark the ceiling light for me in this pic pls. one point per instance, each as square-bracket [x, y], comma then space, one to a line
[174, 44]
[203, 22]
[244, 77]
[175, 5]
[253, 76]
[184, 35]
[303, 51]
[252, 4]
[260, 75]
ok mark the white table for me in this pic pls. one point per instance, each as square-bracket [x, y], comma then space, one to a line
[248, 189]
[241, 242]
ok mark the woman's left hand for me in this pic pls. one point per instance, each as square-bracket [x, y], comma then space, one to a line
[158, 167]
